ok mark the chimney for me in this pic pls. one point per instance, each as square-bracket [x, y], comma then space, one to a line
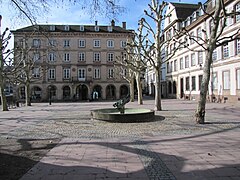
[124, 25]
[96, 23]
[112, 23]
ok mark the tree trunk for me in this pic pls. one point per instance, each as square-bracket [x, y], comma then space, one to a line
[139, 88]
[200, 112]
[27, 94]
[3, 97]
[158, 93]
[2, 78]
[131, 84]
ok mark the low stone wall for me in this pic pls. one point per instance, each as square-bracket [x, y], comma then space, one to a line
[130, 116]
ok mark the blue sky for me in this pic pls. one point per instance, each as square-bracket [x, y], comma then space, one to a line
[72, 15]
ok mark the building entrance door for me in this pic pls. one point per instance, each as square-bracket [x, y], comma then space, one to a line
[181, 88]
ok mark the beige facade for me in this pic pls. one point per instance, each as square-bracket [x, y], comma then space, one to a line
[185, 70]
[73, 62]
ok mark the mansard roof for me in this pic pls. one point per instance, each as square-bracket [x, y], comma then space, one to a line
[184, 10]
[73, 28]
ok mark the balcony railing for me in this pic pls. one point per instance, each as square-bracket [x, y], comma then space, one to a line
[85, 79]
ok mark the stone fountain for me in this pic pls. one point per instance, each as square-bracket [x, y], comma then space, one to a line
[122, 114]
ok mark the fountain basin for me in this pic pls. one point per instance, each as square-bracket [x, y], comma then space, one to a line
[131, 115]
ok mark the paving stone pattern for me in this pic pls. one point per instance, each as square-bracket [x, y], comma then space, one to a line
[171, 147]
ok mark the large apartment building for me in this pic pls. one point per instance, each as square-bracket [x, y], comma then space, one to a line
[185, 69]
[73, 62]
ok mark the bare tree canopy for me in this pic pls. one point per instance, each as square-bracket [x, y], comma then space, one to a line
[33, 9]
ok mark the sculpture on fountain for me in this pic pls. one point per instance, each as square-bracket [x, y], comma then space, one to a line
[120, 104]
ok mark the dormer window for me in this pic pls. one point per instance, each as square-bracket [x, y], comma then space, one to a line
[81, 28]
[96, 28]
[197, 14]
[36, 28]
[110, 28]
[183, 24]
[66, 28]
[52, 28]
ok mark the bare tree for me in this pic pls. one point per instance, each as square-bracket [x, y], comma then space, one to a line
[128, 74]
[4, 55]
[26, 69]
[157, 49]
[32, 9]
[218, 16]
[134, 60]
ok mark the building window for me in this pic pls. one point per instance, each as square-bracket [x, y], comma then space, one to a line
[52, 28]
[81, 73]
[123, 44]
[66, 28]
[66, 43]
[193, 83]
[238, 78]
[181, 63]
[238, 46]
[51, 57]
[226, 79]
[22, 92]
[81, 56]
[168, 67]
[169, 35]
[110, 73]
[175, 65]
[96, 56]
[110, 57]
[193, 60]
[110, 43]
[96, 43]
[214, 55]
[186, 61]
[200, 57]
[96, 28]
[36, 43]
[52, 42]
[171, 66]
[214, 81]
[237, 9]
[225, 51]
[81, 28]
[200, 77]
[66, 73]
[36, 72]
[66, 57]
[186, 41]
[110, 28]
[36, 56]
[180, 44]
[97, 73]
[210, 26]
[82, 43]
[187, 84]
[124, 56]
[199, 33]
[192, 38]
[51, 73]
[124, 72]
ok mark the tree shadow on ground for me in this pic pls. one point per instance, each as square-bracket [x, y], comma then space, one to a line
[156, 165]
[17, 156]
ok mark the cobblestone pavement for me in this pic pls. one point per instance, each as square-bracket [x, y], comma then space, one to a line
[171, 147]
